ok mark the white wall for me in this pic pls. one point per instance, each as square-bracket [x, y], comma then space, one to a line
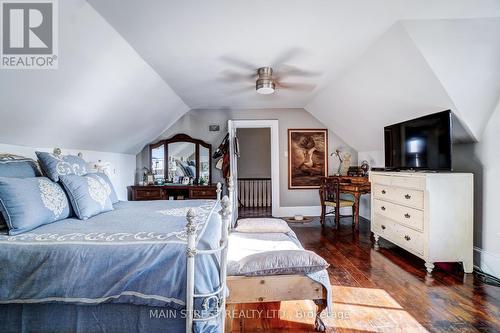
[195, 123]
[122, 174]
[487, 241]
[255, 152]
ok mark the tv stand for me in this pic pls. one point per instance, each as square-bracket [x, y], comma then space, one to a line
[427, 214]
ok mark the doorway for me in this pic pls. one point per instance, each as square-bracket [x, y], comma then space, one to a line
[254, 172]
[239, 198]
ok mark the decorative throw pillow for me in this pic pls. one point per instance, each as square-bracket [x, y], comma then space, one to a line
[113, 197]
[57, 165]
[281, 262]
[18, 167]
[27, 203]
[89, 195]
[262, 225]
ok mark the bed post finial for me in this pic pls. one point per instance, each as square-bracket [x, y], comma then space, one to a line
[57, 151]
[219, 190]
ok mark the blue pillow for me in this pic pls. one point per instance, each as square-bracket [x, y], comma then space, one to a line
[27, 203]
[89, 195]
[57, 165]
[112, 196]
[18, 168]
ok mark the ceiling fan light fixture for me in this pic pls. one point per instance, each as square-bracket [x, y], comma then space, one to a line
[265, 86]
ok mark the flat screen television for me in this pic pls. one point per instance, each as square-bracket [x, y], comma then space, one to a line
[420, 144]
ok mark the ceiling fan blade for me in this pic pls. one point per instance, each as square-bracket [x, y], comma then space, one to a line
[287, 56]
[289, 70]
[296, 86]
[232, 77]
[238, 63]
[240, 90]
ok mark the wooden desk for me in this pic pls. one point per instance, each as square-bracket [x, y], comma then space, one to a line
[356, 186]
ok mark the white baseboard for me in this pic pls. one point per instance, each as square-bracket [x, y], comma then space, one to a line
[488, 263]
[299, 210]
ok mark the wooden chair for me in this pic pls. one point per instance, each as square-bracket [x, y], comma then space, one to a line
[329, 193]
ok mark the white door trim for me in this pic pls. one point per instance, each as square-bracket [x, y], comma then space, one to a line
[275, 156]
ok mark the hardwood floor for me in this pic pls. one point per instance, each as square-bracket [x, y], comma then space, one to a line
[379, 291]
[247, 212]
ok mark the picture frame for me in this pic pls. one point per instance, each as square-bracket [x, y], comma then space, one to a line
[307, 158]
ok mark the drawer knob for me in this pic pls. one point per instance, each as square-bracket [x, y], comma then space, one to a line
[407, 196]
[383, 208]
[407, 215]
[383, 227]
[384, 192]
[407, 237]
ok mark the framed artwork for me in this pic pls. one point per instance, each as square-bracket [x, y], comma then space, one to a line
[307, 157]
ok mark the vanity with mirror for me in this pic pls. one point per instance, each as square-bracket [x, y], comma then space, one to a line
[180, 168]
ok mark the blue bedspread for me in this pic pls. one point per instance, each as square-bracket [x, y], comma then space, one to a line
[135, 254]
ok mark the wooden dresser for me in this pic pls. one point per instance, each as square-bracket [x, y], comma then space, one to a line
[164, 192]
[427, 214]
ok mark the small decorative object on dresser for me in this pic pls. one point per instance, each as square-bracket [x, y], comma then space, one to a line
[307, 157]
[427, 214]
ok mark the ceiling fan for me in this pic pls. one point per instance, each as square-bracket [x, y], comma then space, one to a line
[265, 78]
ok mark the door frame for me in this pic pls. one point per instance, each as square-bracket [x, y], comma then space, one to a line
[273, 125]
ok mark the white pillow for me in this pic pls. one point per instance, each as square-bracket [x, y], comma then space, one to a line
[281, 262]
[262, 225]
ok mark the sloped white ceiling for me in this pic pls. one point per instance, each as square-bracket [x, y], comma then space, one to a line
[129, 69]
[465, 56]
[390, 83]
[418, 67]
[103, 97]
[188, 42]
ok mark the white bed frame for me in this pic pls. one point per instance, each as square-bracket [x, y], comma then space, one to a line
[216, 299]
[243, 289]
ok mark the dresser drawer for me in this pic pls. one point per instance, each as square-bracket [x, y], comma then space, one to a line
[404, 196]
[148, 194]
[410, 217]
[410, 239]
[384, 227]
[203, 193]
[417, 183]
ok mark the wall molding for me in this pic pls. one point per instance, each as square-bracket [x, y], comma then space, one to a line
[273, 125]
[489, 262]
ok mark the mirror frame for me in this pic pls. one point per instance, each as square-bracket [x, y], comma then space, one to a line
[183, 138]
